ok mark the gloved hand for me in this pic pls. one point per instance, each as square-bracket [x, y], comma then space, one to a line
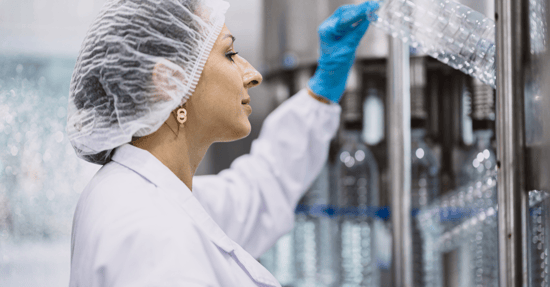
[340, 35]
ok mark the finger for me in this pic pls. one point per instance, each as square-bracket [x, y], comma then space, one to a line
[369, 6]
[370, 10]
[352, 16]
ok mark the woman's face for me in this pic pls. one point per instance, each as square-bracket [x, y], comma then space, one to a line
[219, 107]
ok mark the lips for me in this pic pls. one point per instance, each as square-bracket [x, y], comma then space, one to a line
[245, 101]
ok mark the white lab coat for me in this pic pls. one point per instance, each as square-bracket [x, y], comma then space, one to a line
[136, 224]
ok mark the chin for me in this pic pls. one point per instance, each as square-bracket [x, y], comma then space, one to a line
[239, 131]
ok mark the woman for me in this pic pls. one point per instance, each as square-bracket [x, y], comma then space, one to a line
[156, 83]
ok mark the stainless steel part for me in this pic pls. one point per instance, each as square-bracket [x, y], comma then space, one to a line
[351, 109]
[418, 88]
[302, 77]
[399, 109]
[546, 105]
[512, 197]
[290, 32]
[537, 100]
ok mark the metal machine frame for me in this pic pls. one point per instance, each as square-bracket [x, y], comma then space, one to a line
[512, 44]
[521, 168]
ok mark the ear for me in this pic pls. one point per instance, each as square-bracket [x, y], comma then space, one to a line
[168, 79]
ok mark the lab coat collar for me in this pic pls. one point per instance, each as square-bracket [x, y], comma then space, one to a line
[149, 167]
[153, 170]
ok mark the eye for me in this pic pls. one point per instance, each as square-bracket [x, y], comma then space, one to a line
[230, 55]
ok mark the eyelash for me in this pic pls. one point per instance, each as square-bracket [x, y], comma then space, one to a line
[230, 55]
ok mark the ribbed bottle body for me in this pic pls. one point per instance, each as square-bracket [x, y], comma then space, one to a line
[448, 31]
[460, 235]
[355, 203]
[311, 236]
[425, 188]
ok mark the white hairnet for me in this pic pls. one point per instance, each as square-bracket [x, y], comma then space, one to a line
[112, 95]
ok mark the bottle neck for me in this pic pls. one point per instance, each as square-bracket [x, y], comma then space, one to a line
[418, 134]
[483, 139]
[350, 135]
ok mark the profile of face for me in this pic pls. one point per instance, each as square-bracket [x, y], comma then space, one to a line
[218, 110]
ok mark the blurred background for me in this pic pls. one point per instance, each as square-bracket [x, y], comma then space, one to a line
[409, 195]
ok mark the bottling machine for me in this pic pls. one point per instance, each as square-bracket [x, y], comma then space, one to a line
[434, 178]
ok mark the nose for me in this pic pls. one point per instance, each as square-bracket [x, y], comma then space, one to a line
[251, 76]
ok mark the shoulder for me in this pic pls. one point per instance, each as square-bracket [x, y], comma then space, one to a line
[126, 226]
[115, 184]
[118, 197]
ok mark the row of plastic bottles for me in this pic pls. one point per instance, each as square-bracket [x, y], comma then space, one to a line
[340, 238]
[446, 30]
[454, 33]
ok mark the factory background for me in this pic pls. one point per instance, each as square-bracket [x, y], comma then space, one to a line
[437, 176]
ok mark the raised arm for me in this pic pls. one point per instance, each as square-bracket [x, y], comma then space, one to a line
[254, 200]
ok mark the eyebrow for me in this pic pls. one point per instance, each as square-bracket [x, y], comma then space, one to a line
[229, 36]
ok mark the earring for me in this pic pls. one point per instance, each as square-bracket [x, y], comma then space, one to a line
[181, 116]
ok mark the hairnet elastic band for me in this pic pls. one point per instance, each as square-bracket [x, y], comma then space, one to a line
[203, 58]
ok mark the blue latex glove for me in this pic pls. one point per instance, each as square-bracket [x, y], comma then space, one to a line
[340, 35]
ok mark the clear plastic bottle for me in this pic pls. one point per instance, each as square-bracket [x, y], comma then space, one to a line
[481, 252]
[424, 168]
[537, 26]
[448, 31]
[283, 260]
[356, 201]
[480, 160]
[312, 236]
[460, 236]
[538, 237]
[279, 260]
[425, 187]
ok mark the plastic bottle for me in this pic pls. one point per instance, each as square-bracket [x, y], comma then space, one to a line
[424, 165]
[311, 237]
[450, 32]
[425, 187]
[356, 203]
[279, 260]
[355, 200]
[481, 159]
[478, 254]
[460, 240]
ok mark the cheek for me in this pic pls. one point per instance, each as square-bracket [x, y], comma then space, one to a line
[223, 90]
[226, 76]
[226, 108]
[230, 91]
